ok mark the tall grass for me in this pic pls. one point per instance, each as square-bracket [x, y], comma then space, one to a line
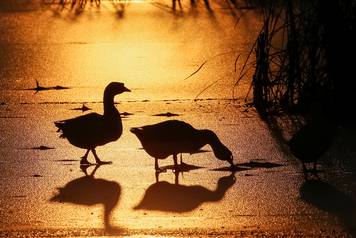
[303, 55]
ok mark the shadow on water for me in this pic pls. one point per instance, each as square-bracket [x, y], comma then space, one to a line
[328, 198]
[167, 197]
[89, 191]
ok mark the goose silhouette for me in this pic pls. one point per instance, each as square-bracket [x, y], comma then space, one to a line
[173, 137]
[92, 130]
[313, 139]
[167, 197]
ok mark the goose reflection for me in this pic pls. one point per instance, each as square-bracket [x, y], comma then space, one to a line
[164, 196]
[89, 191]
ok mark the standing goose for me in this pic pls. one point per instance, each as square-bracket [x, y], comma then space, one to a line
[92, 130]
[313, 139]
[173, 137]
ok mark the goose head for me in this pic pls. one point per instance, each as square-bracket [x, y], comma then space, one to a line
[115, 88]
[223, 153]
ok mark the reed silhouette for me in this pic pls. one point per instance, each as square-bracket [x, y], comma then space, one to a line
[328, 198]
[92, 130]
[167, 197]
[173, 137]
[89, 191]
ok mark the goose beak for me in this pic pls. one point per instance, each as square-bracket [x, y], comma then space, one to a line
[126, 89]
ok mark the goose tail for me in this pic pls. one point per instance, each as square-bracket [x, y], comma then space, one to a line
[59, 125]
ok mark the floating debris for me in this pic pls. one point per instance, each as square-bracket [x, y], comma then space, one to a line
[145, 100]
[66, 160]
[11, 117]
[248, 166]
[83, 108]
[19, 196]
[167, 114]
[42, 147]
[41, 88]
[125, 114]
[37, 176]
[255, 164]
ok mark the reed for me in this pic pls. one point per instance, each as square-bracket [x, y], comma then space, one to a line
[302, 55]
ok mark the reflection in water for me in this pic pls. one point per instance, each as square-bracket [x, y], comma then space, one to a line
[180, 169]
[89, 191]
[78, 6]
[174, 137]
[92, 130]
[164, 196]
[192, 2]
[328, 198]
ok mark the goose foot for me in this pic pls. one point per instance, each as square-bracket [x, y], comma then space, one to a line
[84, 161]
[97, 160]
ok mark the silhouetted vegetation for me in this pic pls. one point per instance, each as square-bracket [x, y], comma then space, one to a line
[303, 54]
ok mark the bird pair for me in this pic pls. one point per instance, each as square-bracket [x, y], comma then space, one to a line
[159, 140]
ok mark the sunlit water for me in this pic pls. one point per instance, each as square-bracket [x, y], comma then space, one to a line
[152, 50]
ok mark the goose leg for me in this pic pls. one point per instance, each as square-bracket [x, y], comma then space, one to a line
[175, 161]
[181, 158]
[157, 168]
[156, 164]
[98, 161]
[84, 158]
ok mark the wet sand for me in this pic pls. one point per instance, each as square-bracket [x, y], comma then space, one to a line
[45, 192]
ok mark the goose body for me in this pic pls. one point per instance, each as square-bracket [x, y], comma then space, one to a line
[92, 130]
[173, 137]
[310, 142]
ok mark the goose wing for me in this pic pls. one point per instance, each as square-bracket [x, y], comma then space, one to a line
[89, 123]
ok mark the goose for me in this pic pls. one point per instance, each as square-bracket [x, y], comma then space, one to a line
[310, 142]
[92, 130]
[173, 137]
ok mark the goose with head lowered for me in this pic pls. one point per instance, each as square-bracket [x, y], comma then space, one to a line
[92, 130]
[173, 137]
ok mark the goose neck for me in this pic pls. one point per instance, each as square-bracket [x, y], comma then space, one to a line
[109, 107]
[211, 139]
